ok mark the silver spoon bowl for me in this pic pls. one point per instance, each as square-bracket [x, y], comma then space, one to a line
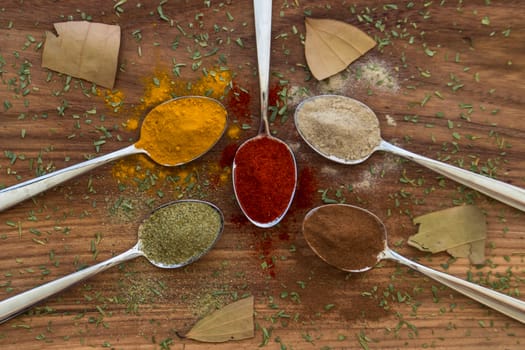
[501, 191]
[263, 26]
[17, 304]
[331, 254]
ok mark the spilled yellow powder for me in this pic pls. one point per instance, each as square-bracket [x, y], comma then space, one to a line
[132, 123]
[233, 131]
[136, 168]
[213, 84]
[157, 89]
[225, 176]
[161, 88]
[143, 173]
[217, 176]
[114, 99]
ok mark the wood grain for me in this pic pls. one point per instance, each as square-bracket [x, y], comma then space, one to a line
[446, 82]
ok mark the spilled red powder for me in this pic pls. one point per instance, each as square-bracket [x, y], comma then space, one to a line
[273, 95]
[239, 220]
[265, 247]
[238, 102]
[227, 155]
[262, 244]
[284, 236]
[306, 188]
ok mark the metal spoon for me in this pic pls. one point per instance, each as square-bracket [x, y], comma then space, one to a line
[17, 193]
[338, 248]
[508, 194]
[263, 26]
[17, 304]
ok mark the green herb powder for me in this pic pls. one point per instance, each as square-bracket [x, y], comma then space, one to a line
[179, 232]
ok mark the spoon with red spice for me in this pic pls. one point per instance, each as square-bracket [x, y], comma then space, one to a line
[264, 171]
[355, 240]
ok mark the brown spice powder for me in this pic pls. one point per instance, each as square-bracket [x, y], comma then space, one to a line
[344, 236]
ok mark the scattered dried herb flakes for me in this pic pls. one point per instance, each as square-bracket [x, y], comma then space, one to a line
[461, 231]
[232, 322]
[331, 45]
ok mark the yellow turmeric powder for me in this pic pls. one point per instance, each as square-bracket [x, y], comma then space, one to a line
[141, 172]
[213, 84]
[180, 130]
[234, 131]
[162, 87]
[114, 99]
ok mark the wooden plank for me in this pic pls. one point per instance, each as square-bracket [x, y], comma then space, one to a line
[446, 82]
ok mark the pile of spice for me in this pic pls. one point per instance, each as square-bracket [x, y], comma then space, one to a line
[180, 232]
[338, 127]
[344, 236]
[264, 176]
[178, 131]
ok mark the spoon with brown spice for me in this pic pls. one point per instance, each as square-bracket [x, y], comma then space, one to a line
[347, 131]
[355, 240]
[195, 117]
[172, 236]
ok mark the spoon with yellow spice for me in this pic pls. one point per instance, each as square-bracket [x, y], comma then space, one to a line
[173, 133]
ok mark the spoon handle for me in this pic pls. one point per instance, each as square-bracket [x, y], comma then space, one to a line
[503, 192]
[17, 304]
[505, 304]
[263, 36]
[17, 193]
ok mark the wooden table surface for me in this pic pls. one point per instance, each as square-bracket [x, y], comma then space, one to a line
[446, 81]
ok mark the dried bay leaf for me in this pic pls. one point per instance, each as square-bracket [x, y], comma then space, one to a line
[475, 251]
[461, 231]
[331, 45]
[84, 50]
[232, 322]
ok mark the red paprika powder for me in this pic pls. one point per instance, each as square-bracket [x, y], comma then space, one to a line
[239, 102]
[264, 176]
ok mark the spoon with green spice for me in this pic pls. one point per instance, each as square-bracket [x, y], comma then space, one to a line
[353, 239]
[172, 236]
[347, 131]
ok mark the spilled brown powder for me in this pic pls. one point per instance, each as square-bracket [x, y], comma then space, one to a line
[344, 236]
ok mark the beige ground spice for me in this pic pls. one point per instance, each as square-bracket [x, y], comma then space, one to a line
[338, 127]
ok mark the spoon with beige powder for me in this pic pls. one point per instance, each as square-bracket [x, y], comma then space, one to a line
[347, 131]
